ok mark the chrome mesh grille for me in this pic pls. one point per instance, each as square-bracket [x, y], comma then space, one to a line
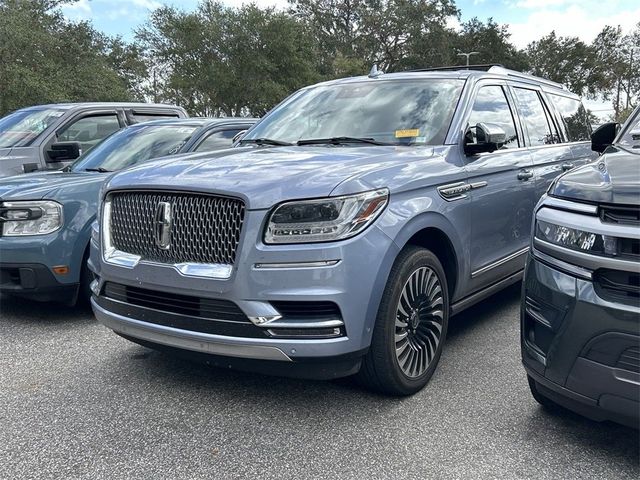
[205, 229]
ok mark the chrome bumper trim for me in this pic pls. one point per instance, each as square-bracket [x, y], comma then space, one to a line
[571, 206]
[562, 265]
[303, 324]
[173, 337]
[318, 264]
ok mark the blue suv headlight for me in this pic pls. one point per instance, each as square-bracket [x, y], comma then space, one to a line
[325, 219]
[30, 218]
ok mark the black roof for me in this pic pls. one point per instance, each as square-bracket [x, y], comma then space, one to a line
[71, 105]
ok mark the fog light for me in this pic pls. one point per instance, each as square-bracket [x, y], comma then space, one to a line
[95, 287]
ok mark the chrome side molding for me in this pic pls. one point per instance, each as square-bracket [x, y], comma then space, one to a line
[458, 191]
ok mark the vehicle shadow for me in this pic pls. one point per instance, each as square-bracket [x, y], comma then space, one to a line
[184, 368]
[483, 312]
[24, 311]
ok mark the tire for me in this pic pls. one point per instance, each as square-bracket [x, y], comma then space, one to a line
[546, 402]
[412, 318]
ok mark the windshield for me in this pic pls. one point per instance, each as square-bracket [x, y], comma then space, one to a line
[134, 145]
[630, 134]
[20, 128]
[399, 112]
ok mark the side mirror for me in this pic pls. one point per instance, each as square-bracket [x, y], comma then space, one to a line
[604, 136]
[238, 136]
[489, 137]
[62, 151]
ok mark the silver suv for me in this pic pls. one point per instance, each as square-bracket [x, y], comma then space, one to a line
[352, 222]
[46, 137]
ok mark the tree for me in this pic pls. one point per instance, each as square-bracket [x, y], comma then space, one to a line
[221, 60]
[395, 34]
[566, 60]
[45, 58]
[617, 72]
[492, 43]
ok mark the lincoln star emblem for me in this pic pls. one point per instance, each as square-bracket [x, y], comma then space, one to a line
[162, 225]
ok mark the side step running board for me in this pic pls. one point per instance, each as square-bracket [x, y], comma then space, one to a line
[474, 298]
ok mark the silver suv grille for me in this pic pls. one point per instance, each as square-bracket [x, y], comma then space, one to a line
[204, 228]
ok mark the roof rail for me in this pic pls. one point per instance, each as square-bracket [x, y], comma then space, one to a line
[493, 68]
[524, 76]
[481, 68]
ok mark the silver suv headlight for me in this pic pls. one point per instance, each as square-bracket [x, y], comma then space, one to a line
[30, 218]
[325, 219]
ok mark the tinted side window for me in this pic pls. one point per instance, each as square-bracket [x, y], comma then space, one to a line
[88, 131]
[218, 140]
[539, 126]
[575, 117]
[490, 106]
[136, 117]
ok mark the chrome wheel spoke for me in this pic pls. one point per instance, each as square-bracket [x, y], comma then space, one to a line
[418, 324]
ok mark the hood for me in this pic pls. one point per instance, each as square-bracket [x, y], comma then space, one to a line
[39, 185]
[266, 176]
[614, 178]
[4, 152]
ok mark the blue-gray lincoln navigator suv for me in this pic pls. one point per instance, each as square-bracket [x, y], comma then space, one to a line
[352, 222]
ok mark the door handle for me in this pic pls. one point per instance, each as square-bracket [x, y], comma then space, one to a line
[567, 166]
[525, 175]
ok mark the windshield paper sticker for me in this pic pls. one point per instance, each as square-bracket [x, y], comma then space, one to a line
[412, 132]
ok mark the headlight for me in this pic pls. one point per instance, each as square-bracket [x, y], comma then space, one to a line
[325, 219]
[575, 239]
[30, 218]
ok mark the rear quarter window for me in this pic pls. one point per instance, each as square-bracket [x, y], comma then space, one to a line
[137, 117]
[574, 116]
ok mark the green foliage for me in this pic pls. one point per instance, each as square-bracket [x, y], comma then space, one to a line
[45, 58]
[219, 60]
[395, 34]
[564, 60]
[607, 68]
[491, 41]
[617, 68]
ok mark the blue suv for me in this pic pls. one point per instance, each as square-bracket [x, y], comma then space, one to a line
[352, 222]
[45, 217]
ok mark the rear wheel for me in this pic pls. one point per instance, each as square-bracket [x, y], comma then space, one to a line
[411, 325]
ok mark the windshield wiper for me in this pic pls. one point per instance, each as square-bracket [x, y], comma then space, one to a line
[340, 140]
[265, 141]
[99, 169]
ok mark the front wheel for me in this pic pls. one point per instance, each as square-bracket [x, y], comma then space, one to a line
[411, 325]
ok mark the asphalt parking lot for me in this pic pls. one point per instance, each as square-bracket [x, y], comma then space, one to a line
[79, 402]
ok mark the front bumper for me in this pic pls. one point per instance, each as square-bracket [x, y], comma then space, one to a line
[581, 348]
[350, 274]
[26, 265]
[36, 282]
